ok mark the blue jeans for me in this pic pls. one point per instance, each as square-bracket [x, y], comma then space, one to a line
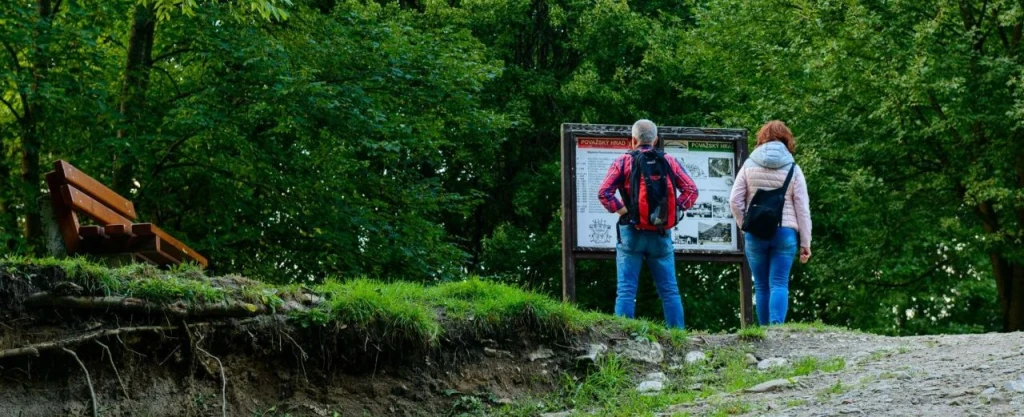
[637, 245]
[770, 262]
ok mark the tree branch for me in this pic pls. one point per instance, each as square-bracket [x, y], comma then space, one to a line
[171, 54]
[11, 108]
[999, 29]
[170, 78]
[14, 56]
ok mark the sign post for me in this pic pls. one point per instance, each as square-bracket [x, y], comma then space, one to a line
[707, 232]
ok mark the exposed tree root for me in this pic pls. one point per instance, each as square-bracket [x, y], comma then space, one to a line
[140, 306]
[36, 348]
[118, 374]
[223, 380]
[88, 380]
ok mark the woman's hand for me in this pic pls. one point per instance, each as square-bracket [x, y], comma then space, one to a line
[805, 254]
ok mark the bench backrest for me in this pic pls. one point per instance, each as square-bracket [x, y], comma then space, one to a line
[73, 192]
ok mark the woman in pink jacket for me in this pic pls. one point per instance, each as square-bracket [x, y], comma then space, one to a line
[771, 259]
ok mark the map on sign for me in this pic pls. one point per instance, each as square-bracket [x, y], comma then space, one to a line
[708, 225]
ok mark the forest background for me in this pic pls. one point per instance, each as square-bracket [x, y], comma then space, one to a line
[419, 140]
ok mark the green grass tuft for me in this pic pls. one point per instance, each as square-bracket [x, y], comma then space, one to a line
[752, 333]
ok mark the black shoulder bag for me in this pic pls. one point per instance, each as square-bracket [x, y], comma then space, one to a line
[764, 214]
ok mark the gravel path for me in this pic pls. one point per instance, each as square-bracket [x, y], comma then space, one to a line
[960, 375]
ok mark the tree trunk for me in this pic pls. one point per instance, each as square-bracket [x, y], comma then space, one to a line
[30, 144]
[31, 137]
[139, 60]
[1015, 303]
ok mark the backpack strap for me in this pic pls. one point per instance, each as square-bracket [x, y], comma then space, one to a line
[785, 185]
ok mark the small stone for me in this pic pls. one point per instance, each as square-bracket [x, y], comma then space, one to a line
[594, 353]
[695, 357]
[751, 359]
[995, 399]
[640, 351]
[770, 363]
[655, 376]
[558, 414]
[955, 403]
[1015, 386]
[695, 387]
[988, 391]
[541, 353]
[650, 386]
[773, 385]
[504, 401]
[495, 353]
[851, 410]
[899, 375]
[675, 367]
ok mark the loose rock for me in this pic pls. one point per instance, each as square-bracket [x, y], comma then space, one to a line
[751, 359]
[773, 385]
[541, 353]
[655, 376]
[695, 357]
[1015, 386]
[640, 351]
[594, 353]
[650, 386]
[495, 353]
[770, 363]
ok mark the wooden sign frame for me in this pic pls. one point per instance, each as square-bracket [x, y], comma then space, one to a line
[571, 251]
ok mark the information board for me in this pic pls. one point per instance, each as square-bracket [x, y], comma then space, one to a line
[708, 225]
[706, 232]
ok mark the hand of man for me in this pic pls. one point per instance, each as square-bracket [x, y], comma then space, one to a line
[621, 211]
[805, 254]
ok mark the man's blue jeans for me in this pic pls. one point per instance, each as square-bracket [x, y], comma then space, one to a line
[635, 246]
[770, 262]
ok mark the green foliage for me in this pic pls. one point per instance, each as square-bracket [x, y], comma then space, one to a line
[296, 140]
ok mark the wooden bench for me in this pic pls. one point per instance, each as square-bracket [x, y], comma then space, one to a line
[73, 192]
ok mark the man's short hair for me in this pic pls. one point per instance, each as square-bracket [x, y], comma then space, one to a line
[645, 131]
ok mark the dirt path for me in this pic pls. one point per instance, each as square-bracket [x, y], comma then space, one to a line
[960, 375]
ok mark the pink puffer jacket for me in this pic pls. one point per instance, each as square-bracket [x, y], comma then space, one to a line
[767, 169]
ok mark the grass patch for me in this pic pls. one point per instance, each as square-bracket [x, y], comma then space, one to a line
[796, 402]
[834, 389]
[610, 390]
[814, 327]
[389, 311]
[808, 365]
[731, 408]
[752, 333]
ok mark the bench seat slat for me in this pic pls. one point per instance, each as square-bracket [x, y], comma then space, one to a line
[169, 243]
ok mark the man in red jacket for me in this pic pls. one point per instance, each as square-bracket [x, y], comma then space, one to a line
[636, 245]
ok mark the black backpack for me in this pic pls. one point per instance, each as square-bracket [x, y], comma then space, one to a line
[652, 205]
[764, 214]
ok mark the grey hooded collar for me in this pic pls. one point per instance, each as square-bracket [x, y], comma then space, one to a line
[771, 155]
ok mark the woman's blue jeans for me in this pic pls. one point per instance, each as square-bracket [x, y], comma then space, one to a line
[770, 263]
[634, 247]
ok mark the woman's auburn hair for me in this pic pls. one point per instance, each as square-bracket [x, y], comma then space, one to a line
[776, 130]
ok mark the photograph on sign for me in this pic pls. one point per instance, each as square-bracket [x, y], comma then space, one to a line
[709, 224]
